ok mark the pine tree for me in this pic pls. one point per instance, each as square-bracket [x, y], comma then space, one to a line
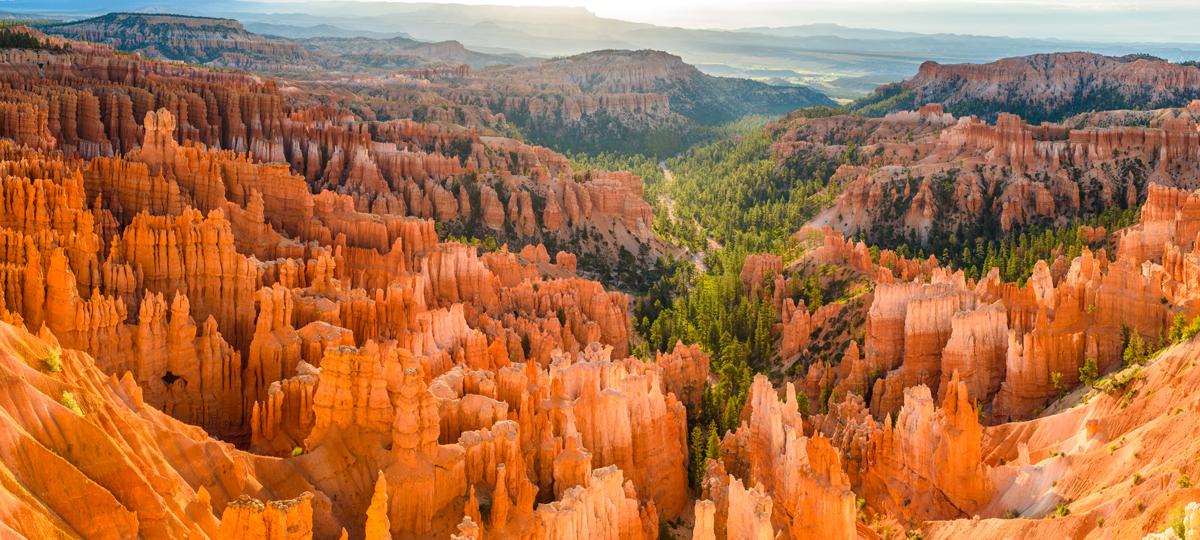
[813, 297]
[1089, 371]
[696, 471]
[762, 332]
[1178, 327]
[733, 410]
[706, 404]
[714, 443]
[1135, 352]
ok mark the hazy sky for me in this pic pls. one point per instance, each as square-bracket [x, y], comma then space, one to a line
[1152, 20]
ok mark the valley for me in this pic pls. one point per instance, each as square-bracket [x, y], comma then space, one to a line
[366, 286]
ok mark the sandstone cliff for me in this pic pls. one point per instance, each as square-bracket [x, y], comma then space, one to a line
[1057, 85]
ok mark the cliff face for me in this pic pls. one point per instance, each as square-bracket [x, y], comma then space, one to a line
[196, 40]
[606, 97]
[1054, 86]
[691, 93]
[937, 176]
[1006, 341]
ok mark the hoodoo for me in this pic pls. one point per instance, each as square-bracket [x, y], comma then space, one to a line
[371, 287]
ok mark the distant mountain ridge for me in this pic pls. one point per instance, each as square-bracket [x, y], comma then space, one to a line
[609, 99]
[700, 97]
[193, 39]
[404, 53]
[227, 43]
[834, 59]
[320, 30]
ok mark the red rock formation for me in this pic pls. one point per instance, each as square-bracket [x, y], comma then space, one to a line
[851, 429]
[284, 520]
[378, 527]
[685, 373]
[178, 254]
[759, 269]
[977, 351]
[928, 465]
[415, 449]
[914, 355]
[1169, 215]
[607, 506]
[493, 212]
[749, 513]
[605, 398]
[275, 350]
[535, 254]
[703, 523]
[567, 261]
[1043, 80]
[282, 423]
[572, 467]
[351, 396]
[797, 328]
[1029, 172]
[734, 511]
[803, 476]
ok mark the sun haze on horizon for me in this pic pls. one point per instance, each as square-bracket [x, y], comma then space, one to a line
[1155, 20]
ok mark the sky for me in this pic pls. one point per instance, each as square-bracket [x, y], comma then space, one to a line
[1150, 20]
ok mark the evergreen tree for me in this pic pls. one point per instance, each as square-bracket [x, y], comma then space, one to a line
[733, 410]
[1089, 372]
[813, 297]
[697, 469]
[713, 451]
[1135, 352]
[1177, 329]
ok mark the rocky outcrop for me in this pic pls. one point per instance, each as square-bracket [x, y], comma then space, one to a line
[759, 269]
[702, 524]
[275, 350]
[281, 424]
[568, 261]
[191, 39]
[351, 396]
[1053, 83]
[798, 326]
[605, 508]
[803, 476]
[605, 397]
[415, 450]
[685, 373]
[956, 172]
[850, 429]
[977, 351]
[378, 526]
[252, 519]
[928, 464]
[1170, 216]
[736, 512]
[928, 311]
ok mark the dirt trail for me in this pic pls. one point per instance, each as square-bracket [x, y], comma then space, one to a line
[665, 199]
